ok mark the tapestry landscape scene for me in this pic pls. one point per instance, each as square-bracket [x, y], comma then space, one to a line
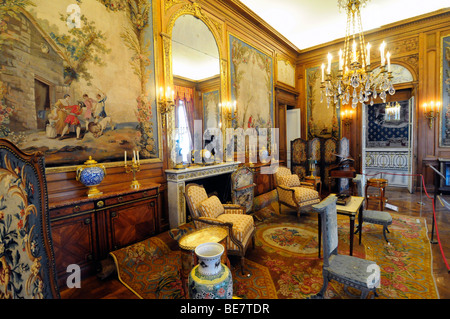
[77, 79]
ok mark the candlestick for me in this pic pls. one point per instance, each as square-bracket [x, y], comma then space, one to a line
[329, 64]
[133, 168]
[388, 56]
[341, 61]
[323, 72]
[383, 62]
[368, 54]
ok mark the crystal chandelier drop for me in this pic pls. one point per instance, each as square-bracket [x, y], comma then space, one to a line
[355, 82]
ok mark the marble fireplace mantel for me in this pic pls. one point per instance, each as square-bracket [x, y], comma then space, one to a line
[176, 181]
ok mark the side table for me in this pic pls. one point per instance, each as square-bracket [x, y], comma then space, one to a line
[315, 180]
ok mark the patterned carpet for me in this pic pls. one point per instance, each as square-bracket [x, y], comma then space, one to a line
[288, 248]
[285, 263]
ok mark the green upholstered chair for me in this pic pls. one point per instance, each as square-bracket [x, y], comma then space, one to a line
[27, 265]
[354, 272]
[376, 217]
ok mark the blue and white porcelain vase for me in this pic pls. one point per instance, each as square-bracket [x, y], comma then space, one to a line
[210, 279]
[91, 175]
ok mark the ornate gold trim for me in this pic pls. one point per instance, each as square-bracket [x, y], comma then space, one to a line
[216, 29]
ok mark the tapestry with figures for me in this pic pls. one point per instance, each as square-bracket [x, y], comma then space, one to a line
[77, 79]
[385, 129]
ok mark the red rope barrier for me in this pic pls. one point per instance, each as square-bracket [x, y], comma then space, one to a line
[434, 211]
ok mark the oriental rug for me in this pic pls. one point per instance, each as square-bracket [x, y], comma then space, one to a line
[284, 263]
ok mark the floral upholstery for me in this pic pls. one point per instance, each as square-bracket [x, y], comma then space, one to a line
[27, 267]
[243, 188]
[351, 271]
[211, 207]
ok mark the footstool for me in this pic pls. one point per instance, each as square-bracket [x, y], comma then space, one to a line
[375, 217]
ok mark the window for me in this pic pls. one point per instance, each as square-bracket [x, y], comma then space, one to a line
[184, 134]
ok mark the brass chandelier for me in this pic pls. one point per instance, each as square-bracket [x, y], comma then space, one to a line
[355, 82]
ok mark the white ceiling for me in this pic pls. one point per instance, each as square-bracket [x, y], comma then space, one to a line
[306, 23]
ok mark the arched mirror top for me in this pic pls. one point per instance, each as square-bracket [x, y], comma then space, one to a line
[195, 54]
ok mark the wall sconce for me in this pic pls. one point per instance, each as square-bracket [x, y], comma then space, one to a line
[166, 103]
[347, 118]
[230, 112]
[432, 112]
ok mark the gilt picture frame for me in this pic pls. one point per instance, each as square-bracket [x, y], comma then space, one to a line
[444, 116]
[78, 79]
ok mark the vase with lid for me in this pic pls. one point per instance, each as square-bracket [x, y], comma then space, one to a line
[91, 175]
[210, 278]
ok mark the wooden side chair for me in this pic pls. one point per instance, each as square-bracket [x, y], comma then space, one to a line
[209, 211]
[354, 272]
[27, 261]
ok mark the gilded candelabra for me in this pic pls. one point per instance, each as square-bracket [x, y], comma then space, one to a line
[431, 113]
[133, 168]
[166, 103]
[230, 112]
[346, 117]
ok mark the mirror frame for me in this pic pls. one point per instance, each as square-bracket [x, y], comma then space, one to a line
[216, 29]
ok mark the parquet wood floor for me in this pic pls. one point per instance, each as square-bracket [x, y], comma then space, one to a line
[409, 204]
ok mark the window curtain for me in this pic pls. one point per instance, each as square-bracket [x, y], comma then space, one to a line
[186, 95]
[184, 104]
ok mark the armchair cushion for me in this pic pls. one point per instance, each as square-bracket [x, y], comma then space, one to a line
[211, 207]
[242, 228]
[289, 180]
[298, 196]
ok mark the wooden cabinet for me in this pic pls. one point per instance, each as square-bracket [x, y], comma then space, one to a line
[85, 230]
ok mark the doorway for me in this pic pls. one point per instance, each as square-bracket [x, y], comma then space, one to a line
[42, 103]
[293, 130]
[388, 143]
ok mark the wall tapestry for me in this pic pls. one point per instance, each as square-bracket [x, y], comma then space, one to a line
[251, 85]
[387, 133]
[285, 72]
[77, 79]
[444, 140]
[323, 121]
[211, 111]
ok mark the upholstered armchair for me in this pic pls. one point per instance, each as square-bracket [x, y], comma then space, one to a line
[355, 272]
[293, 193]
[209, 211]
[243, 188]
[27, 265]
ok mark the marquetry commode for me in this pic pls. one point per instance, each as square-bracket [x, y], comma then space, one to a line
[85, 229]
